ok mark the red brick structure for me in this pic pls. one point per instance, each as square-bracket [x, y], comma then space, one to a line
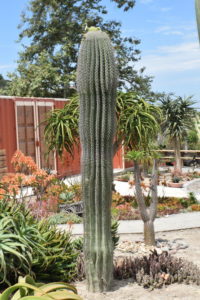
[21, 128]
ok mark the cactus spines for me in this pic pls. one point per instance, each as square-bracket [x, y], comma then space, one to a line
[96, 83]
[197, 8]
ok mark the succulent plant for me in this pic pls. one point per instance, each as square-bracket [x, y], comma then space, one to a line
[96, 83]
[156, 270]
[27, 289]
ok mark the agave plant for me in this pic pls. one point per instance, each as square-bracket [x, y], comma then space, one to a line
[27, 288]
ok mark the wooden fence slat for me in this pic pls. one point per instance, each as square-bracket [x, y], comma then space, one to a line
[184, 157]
[183, 151]
[3, 170]
[3, 164]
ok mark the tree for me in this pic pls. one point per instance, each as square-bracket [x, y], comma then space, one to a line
[147, 212]
[39, 79]
[3, 82]
[61, 130]
[178, 114]
[137, 121]
[138, 125]
[54, 29]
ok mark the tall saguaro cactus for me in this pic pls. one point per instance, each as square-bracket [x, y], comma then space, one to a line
[96, 82]
[197, 8]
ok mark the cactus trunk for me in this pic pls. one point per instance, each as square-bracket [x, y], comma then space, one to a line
[96, 81]
[197, 8]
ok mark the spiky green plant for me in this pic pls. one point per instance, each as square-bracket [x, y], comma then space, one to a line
[31, 247]
[27, 288]
[96, 81]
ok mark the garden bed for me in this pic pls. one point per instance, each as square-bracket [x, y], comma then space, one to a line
[126, 289]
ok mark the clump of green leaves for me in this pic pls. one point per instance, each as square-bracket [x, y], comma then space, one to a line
[192, 199]
[176, 179]
[17, 241]
[67, 196]
[64, 218]
[27, 288]
[31, 247]
[186, 202]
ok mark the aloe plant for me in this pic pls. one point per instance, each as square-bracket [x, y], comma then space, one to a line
[31, 247]
[28, 289]
[96, 82]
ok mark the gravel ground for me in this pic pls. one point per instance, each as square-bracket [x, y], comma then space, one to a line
[127, 290]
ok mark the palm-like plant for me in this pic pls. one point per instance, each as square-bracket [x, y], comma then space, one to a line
[138, 126]
[178, 114]
[61, 130]
[138, 121]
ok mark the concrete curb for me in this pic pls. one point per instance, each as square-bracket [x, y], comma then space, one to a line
[167, 223]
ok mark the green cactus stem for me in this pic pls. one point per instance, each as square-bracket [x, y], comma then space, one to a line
[197, 8]
[96, 82]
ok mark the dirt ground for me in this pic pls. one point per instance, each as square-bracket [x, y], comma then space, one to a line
[126, 290]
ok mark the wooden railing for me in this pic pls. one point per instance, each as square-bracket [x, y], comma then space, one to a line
[3, 164]
[170, 153]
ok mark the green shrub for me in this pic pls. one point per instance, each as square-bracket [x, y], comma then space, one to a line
[125, 177]
[67, 197]
[60, 256]
[18, 232]
[64, 218]
[15, 251]
[31, 247]
[192, 199]
[184, 202]
[115, 236]
[176, 179]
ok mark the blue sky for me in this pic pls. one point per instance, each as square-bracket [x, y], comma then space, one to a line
[169, 41]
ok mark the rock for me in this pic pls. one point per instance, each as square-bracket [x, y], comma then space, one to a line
[159, 251]
[139, 249]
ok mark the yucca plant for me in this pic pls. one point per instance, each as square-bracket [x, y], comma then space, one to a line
[28, 289]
